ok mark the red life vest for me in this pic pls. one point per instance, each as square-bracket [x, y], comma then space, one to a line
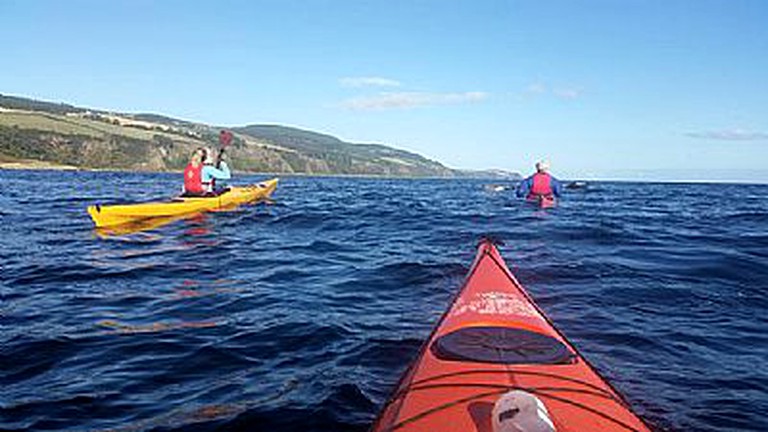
[193, 179]
[542, 186]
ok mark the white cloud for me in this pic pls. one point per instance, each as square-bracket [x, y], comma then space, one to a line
[539, 89]
[730, 135]
[405, 100]
[369, 82]
[535, 89]
[567, 93]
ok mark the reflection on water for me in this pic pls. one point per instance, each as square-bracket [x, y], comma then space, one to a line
[149, 224]
[140, 246]
[192, 289]
[123, 328]
[197, 413]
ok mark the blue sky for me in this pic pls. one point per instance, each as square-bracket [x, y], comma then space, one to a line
[603, 89]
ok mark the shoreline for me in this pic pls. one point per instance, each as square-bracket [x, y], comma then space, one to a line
[29, 164]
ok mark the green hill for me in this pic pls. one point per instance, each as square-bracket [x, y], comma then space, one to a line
[56, 133]
[312, 151]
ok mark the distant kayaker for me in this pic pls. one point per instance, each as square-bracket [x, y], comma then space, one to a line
[200, 175]
[540, 185]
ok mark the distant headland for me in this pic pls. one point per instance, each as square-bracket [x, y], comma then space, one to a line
[44, 135]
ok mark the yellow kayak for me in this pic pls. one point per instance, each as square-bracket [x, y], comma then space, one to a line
[112, 215]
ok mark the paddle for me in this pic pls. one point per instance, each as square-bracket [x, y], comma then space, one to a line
[225, 139]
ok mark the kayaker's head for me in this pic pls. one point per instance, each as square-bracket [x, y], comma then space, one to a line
[208, 158]
[542, 166]
[198, 156]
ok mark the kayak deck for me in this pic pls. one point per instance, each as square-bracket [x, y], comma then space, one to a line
[113, 215]
[494, 339]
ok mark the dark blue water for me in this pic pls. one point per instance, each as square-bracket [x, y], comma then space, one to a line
[302, 314]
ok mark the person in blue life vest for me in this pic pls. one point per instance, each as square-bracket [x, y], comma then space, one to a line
[201, 174]
[540, 185]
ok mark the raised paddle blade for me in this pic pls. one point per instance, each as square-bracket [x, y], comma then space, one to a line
[225, 139]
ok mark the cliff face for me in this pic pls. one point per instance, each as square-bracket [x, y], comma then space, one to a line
[88, 151]
[67, 135]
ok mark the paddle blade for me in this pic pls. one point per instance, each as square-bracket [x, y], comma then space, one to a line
[225, 138]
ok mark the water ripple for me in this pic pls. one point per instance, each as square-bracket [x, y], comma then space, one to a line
[301, 314]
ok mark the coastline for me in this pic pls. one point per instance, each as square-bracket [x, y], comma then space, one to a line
[30, 164]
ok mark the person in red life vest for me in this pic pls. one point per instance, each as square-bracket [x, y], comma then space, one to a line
[540, 185]
[193, 174]
[200, 175]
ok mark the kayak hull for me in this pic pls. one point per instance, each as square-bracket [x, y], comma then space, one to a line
[446, 391]
[543, 202]
[547, 202]
[114, 215]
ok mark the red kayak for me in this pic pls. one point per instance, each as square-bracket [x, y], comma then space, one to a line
[543, 201]
[496, 363]
[547, 202]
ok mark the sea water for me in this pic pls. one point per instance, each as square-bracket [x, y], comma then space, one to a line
[301, 314]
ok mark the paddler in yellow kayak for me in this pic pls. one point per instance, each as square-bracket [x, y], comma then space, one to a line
[201, 173]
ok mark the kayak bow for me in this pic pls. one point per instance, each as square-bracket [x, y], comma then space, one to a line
[495, 343]
[112, 215]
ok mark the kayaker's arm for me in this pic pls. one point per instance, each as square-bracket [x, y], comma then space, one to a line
[524, 187]
[557, 187]
[222, 173]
